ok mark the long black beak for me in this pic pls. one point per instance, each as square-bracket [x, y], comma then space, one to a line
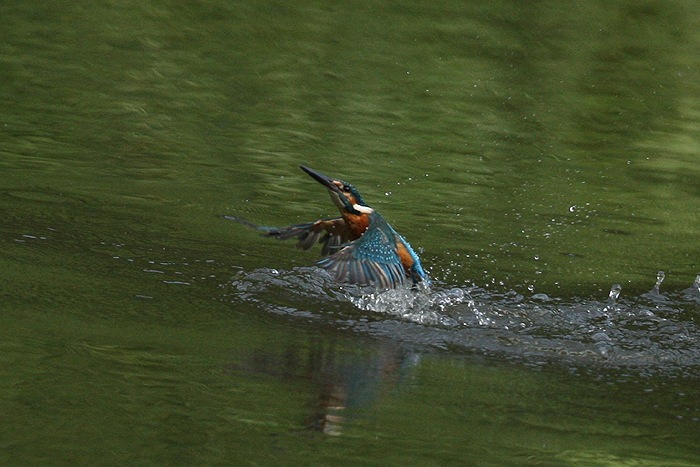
[322, 179]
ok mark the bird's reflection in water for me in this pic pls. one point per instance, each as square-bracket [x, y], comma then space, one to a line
[344, 383]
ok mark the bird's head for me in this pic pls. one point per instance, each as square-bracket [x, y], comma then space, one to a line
[344, 195]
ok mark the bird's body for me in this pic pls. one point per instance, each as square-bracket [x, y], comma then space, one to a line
[361, 247]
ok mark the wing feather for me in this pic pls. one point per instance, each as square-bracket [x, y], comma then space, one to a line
[372, 259]
[330, 233]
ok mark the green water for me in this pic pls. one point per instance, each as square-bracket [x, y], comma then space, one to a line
[522, 148]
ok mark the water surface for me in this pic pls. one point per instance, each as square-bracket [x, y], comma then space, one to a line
[535, 155]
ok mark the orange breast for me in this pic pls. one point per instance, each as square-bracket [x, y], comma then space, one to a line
[357, 224]
[405, 256]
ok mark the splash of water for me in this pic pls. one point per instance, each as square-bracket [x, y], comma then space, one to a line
[655, 293]
[614, 293]
[417, 304]
[612, 332]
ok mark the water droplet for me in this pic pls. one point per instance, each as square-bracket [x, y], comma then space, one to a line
[614, 292]
[654, 293]
[660, 276]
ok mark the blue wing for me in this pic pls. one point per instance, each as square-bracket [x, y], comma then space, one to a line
[371, 259]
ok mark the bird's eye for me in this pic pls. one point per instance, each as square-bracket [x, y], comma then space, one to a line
[346, 188]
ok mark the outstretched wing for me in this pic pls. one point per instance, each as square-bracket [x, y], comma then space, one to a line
[331, 233]
[372, 259]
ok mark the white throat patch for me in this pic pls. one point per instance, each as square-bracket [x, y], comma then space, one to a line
[363, 209]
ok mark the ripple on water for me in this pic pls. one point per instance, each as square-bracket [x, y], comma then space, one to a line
[654, 331]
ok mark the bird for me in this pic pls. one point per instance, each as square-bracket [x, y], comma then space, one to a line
[359, 247]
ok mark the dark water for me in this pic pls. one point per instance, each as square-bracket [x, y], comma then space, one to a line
[535, 155]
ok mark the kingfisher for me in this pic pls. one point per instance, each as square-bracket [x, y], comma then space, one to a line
[360, 247]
